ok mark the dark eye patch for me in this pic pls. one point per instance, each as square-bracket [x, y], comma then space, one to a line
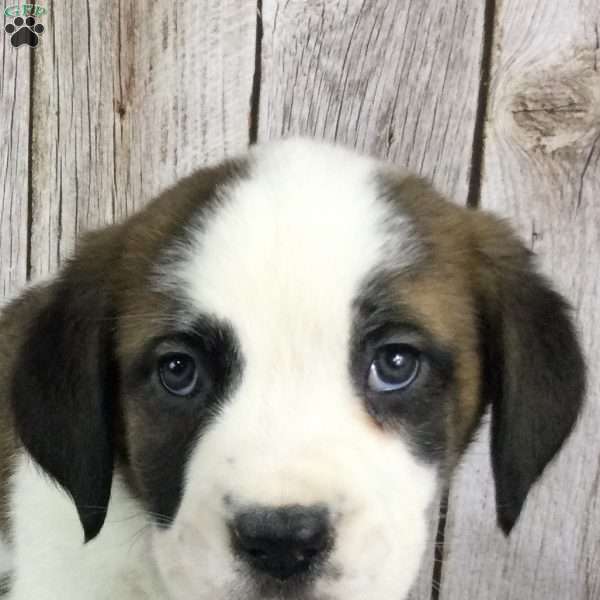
[418, 369]
[165, 425]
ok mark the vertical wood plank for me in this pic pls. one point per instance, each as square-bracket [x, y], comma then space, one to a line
[396, 79]
[14, 186]
[542, 170]
[14, 163]
[128, 98]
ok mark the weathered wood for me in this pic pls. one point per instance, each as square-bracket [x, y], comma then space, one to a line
[542, 169]
[14, 164]
[14, 167]
[396, 79]
[127, 99]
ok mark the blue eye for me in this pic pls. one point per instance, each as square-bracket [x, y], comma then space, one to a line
[178, 373]
[395, 367]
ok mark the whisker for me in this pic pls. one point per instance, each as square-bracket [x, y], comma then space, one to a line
[138, 535]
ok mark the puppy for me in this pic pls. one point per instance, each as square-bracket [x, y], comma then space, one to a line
[254, 388]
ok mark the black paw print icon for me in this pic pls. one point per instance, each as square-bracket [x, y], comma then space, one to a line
[24, 31]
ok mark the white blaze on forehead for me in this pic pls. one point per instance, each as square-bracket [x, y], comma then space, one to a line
[282, 258]
[302, 232]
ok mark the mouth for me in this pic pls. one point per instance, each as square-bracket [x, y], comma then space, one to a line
[283, 592]
[296, 587]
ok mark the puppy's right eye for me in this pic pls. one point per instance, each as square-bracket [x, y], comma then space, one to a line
[178, 373]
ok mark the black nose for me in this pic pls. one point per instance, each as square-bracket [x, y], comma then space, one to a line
[282, 542]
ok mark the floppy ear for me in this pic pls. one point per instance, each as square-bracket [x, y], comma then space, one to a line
[62, 382]
[533, 374]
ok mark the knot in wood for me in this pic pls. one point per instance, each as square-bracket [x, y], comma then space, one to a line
[557, 107]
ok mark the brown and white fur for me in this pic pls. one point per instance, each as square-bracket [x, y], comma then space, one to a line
[343, 328]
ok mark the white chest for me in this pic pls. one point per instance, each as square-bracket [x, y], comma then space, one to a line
[50, 559]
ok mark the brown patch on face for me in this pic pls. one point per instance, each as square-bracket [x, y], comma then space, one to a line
[145, 312]
[447, 312]
[440, 293]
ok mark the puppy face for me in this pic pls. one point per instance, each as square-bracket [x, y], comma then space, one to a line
[298, 348]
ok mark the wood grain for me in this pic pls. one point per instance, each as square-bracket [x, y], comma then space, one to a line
[14, 164]
[542, 170]
[395, 79]
[127, 100]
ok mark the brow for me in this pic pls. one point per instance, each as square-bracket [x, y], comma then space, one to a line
[379, 317]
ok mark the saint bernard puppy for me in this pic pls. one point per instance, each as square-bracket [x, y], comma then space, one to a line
[256, 387]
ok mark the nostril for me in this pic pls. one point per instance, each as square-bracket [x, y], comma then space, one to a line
[256, 553]
[311, 552]
[282, 541]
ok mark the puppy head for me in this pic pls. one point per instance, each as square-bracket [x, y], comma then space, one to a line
[285, 357]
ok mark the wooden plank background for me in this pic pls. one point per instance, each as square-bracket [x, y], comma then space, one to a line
[498, 105]
[542, 170]
[14, 167]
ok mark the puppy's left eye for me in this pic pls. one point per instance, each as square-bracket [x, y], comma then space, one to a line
[178, 373]
[395, 367]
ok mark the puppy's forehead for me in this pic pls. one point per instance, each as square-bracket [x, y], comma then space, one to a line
[296, 240]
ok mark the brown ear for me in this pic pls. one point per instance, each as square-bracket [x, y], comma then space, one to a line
[63, 382]
[533, 371]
